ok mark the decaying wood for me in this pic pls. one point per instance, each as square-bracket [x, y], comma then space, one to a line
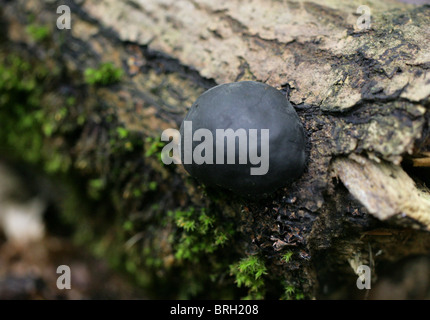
[362, 95]
[384, 189]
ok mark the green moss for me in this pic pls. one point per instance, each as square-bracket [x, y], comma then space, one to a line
[122, 132]
[112, 198]
[95, 187]
[37, 32]
[104, 75]
[153, 185]
[154, 146]
[248, 273]
[300, 296]
[71, 101]
[122, 141]
[188, 260]
[287, 256]
[199, 233]
[35, 128]
[137, 193]
[292, 293]
[24, 124]
[128, 225]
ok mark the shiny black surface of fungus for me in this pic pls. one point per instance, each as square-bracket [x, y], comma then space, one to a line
[248, 105]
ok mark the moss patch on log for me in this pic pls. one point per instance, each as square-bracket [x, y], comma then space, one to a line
[118, 205]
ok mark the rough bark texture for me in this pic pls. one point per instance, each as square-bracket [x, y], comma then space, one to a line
[362, 97]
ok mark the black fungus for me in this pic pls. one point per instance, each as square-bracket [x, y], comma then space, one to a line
[246, 105]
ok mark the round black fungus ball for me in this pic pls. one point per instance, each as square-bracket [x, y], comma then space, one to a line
[243, 136]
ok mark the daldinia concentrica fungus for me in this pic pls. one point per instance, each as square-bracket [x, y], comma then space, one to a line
[243, 136]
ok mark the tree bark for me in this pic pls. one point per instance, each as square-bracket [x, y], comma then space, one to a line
[362, 96]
